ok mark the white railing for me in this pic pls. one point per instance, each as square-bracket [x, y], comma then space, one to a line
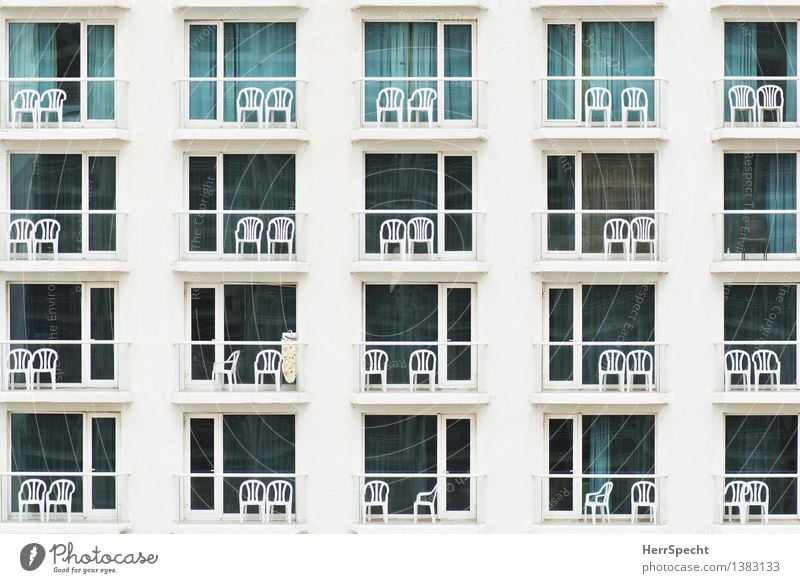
[722, 104]
[733, 373]
[91, 102]
[780, 496]
[756, 234]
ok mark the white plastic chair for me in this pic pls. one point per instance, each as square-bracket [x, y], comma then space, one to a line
[422, 101]
[643, 232]
[737, 362]
[643, 495]
[280, 231]
[60, 494]
[390, 99]
[248, 232]
[758, 496]
[44, 362]
[250, 100]
[611, 363]
[20, 232]
[428, 500]
[617, 232]
[226, 369]
[268, 362]
[46, 232]
[597, 99]
[422, 362]
[375, 362]
[393, 232]
[420, 232]
[52, 101]
[634, 100]
[735, 497]
[639, 363]
[766, 363]
[26, 101]
[279, 493]
[742, 98]
[32, 492]
[19, 362]
[279, 100]
[769, 98]
[376, 495]
[599, 500]
[252, 493]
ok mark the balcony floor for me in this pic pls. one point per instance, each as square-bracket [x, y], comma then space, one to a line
[598, 266]
[442, 134]
[275, 134]
[189, 397]
[236, 266]
[595, 397]
[406, 398]
[419, 266]
[599, 133]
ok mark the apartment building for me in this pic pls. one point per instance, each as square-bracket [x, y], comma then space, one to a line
[381, 266]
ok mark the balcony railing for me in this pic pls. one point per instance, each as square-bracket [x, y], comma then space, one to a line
[30, 234]
[756, 234]
[214, 498]
[86, 102]
[561, 498]
[212, 365]
[758, 365]
[561, 101]
[94, 497]
[458, 498]
[758, 102]
[225, 102]
[767, 498]
[459, 102]
[399, 366]
[577, 366]
[243, 235]
[600, 234]
[78, 364]
[438, 235]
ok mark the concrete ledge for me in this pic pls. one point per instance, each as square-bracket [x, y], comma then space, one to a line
[65, 135]
[241, 134]
[479, 4]
[35, 527]
[600, 133]
[420, 398]
[238, 397]
[66, 396]
[752, 133]
[598, 266]
[239, 528]
[222, 266]
[598, 3]
[441, 527]
[64, 265]
[600, 398]
[765, 397]
[756, 266]
[443, 134]
[434, 266]
[121, 4]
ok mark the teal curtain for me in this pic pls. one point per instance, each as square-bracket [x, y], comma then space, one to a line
[203, 64]
[561, 197]
[102, 196]
[764, 444]
[458, 63]
[458, 234]
[620, 49]
[617, 444]
[761, 182]
[104, 459]
[561, 63]
[763, 313]
[561, 329]
[100, 63]
[397, 444]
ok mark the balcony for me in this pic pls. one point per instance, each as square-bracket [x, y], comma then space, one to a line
[752, 242]
[757, 372]
[412, 108]
[210, 502]
[240, 372]
[753, 501]
[561, 114]
[120, 4]
[273, 112]
[599, 3]
[182, 4]
[752, 3]
[97, 503]
[593, 241]
[241, 241]
[90, 109]
[756, 112]
[478, 4]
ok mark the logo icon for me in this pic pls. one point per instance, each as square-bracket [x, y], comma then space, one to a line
[31, 556]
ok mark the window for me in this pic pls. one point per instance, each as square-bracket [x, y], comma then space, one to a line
[76, 320]
[75, 57]
[421, 55]
[226, 57]
[77, 190]
[226, 450]
[400, 319]
[438, 447]
[79, 447]
[434, 186]
[584, 321]
[586, 451]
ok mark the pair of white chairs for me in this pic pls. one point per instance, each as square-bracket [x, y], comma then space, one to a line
[31, 102]
[421, 363]
[755, 103]
[32, 365]
[267, 363]
[762, 363]
[418, 231]
[643, 497]
[253, 493]
[252, 100]
[598, 99]
[34, 492]
[742, 495]
[280, 231]
[34, 236]
[614, 363]
[393, 100]
[630, 234]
